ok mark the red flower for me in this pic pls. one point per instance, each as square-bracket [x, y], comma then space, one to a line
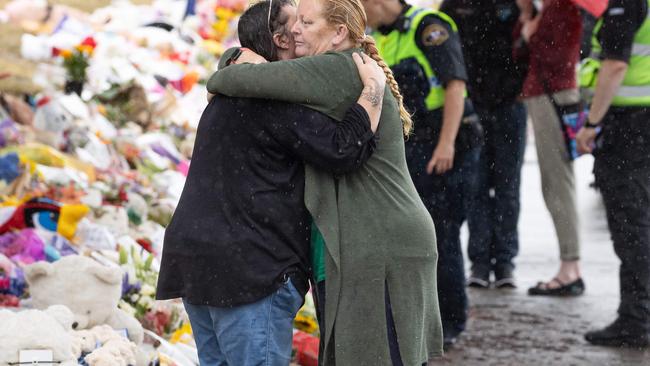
[122, 195]
[146, 244]
[43, 101]
[157, 321]
[9, 301]
[56, 51]
[89, 41]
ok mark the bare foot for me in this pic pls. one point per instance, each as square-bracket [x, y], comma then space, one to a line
[569, 272]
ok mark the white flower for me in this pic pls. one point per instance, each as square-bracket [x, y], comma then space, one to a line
[145, 302]
[126, 307]
[147, 290]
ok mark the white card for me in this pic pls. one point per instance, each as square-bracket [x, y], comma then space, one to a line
[40, 356]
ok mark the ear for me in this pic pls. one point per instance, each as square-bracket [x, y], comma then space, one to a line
[36, 270]
[281, 41]
[111, 276]
[341, 34]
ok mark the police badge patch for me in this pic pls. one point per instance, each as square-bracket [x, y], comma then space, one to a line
[434, 35]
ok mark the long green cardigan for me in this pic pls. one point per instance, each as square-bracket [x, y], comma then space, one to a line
[377, 231]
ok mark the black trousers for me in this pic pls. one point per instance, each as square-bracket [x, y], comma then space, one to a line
[622, 170]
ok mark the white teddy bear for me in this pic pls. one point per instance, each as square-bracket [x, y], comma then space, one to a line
[37, 330]
[52, 330]
[89, 289]
[115, 350]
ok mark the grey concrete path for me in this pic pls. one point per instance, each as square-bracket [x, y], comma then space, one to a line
[508, 327]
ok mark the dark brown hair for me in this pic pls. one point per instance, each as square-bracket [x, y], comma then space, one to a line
[256, 33]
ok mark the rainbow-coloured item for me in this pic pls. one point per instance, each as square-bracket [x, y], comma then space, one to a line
[44, 214]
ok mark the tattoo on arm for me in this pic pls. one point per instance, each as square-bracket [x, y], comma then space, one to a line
[373, 93]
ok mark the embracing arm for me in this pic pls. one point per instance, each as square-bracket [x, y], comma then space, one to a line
[317, 140]
[337, 147]
[327, 83]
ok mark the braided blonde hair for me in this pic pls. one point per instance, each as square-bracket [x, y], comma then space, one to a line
[351, 14]
[370, 47]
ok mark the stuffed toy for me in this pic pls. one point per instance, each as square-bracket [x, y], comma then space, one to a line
[43, 214]
[52, 330]
[88, 288]
[35, 329]
[113, 350]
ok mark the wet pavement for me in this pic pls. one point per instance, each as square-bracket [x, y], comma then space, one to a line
[508, 327]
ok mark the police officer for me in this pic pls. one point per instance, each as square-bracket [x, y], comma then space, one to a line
[620, 71]
[423, 49]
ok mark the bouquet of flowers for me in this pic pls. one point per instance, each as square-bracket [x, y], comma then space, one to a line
[138, 295]
[75, 62]
[306, 320]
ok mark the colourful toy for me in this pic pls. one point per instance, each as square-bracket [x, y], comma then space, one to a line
[44, 214]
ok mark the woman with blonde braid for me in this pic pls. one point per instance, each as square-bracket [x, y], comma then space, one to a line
[422, 47]
[380, 249]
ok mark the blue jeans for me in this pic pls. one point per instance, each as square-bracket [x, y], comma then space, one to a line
[494, 210]
[446, 197]
[254, 334]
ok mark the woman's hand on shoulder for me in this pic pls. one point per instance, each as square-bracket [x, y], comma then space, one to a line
[248, 57]
[374, 84]
[370, 73]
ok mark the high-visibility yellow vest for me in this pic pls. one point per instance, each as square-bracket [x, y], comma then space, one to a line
[635, 88]
[393, 51]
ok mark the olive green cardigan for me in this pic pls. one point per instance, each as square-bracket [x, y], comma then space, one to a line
[377, 232]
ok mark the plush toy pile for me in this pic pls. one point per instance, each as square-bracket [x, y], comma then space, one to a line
[91, 169]
[52, 329]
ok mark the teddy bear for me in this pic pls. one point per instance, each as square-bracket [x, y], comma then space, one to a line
[89, 289]
[36, 329]
[114, 350]
[51, 329]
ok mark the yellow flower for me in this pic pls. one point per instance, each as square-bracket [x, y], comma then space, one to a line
[224, 13]
[220, 28]
[182, 334]
[66, 53]
[306, 323]
[84, 48]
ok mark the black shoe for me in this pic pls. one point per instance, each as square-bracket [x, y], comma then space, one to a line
[480, 277]
[621, 333]
[449, 338]
[574, 288]
[504, 278]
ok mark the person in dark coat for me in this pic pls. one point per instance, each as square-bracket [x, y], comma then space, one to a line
[494, 83]
[237, 248]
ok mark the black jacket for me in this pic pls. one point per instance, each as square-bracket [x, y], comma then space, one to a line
[241, 224]
[486, 27]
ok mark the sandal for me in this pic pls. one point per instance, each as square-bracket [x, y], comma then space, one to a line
[574, 288]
